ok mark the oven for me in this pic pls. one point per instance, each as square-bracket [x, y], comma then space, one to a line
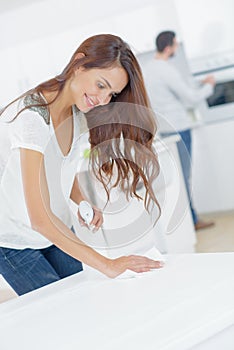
[220, 105]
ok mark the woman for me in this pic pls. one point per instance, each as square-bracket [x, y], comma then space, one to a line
[38, 163]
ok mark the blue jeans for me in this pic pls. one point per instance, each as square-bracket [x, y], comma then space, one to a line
[29, 269]
[184, 147]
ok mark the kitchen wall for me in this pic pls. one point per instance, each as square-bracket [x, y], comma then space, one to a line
[39, 38]
[207, 26]
[51, 17]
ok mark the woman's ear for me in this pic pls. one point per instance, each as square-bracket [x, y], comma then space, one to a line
[79, 55]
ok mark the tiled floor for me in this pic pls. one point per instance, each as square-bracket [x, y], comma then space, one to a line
[219, 238]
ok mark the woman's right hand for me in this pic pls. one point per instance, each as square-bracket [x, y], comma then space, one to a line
[134, 263]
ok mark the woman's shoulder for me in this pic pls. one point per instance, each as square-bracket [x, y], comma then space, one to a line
[35, 103]
[30, 105]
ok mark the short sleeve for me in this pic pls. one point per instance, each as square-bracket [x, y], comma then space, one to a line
[29, 130]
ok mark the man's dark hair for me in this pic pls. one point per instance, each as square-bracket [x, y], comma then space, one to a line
[164, 39]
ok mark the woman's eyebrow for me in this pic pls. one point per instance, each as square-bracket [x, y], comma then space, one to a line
[107, 82]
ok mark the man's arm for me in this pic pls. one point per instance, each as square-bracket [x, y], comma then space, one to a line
[185, 93]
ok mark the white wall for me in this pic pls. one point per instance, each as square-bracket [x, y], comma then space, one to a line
[40, 38]
[52, 17]
[207, 26]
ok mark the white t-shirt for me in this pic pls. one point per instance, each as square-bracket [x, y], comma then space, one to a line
[29, 130]
[171, 96]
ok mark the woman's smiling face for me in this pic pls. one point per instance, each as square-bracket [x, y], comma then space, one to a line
[94, 87]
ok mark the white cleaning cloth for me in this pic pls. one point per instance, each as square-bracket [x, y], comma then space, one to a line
[152, 253]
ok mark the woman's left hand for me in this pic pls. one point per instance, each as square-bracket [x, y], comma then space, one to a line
[97, 221]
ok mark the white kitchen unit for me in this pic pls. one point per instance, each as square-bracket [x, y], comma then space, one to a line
[213, 166]
[175, 225]
[213, 159]
[186, 305]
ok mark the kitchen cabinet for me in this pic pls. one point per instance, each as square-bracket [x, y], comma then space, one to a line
[213, 166]
[175, 231]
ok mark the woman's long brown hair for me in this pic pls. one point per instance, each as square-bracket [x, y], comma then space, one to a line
[122, 132]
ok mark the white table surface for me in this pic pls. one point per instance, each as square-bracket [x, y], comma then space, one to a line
[177, 307]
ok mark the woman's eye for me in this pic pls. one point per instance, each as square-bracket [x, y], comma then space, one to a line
[101, 86]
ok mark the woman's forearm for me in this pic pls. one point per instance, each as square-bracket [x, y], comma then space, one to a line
[61, 236]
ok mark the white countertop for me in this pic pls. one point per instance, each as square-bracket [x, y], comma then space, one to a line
[174, 308]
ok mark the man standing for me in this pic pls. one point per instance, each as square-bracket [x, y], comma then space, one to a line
[172, 97]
